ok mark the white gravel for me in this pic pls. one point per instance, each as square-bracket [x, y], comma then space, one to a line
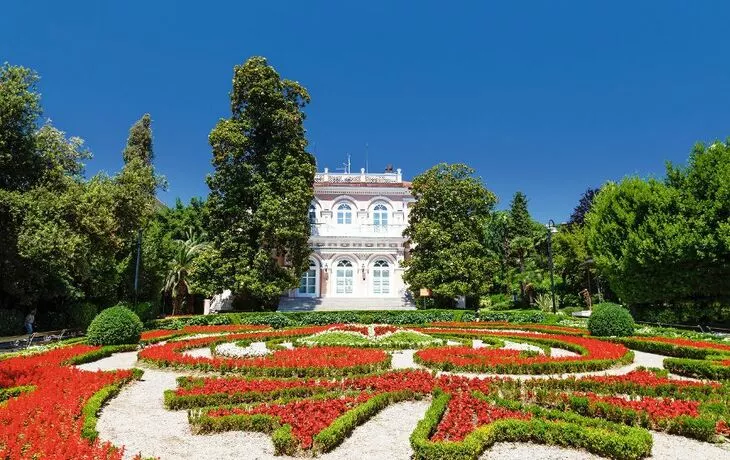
[126, 360]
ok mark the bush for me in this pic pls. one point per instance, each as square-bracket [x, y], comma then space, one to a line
[610, 320]
[146, 311]
[81, 315]
[114, 326]
[11, 322]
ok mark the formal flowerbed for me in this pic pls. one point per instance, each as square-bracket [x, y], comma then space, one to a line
[311, 398]
[594, 354]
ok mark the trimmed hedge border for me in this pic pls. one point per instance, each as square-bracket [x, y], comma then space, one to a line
[102, 352]
[13, 392]
[90, 411]
[667, 349]
[565, 429]
[703, 369]
[279, 320]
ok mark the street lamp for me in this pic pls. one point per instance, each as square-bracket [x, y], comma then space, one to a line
[551, 229]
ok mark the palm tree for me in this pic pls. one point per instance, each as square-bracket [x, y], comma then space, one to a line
[177, 280]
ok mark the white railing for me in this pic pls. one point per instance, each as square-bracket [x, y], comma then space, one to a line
[321, 229]
[362, 177]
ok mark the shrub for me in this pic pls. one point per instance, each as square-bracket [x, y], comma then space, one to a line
[146, 311]
[11, 322]
[114, 326]
[81, 315]
[610, 320]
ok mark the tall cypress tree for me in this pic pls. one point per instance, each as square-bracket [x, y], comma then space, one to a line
[262, 186]
[135, 205]
[520, 222]
[139, 142]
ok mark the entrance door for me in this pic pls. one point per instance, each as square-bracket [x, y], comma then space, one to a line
[308, 282]
[381, 277]
[344, 275]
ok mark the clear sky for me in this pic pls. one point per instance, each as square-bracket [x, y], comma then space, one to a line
[547, 97]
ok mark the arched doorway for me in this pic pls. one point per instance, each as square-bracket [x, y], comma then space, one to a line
[309, 282]
[344, 277]
[381, 277]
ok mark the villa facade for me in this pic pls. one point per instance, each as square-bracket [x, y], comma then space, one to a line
[357, 238]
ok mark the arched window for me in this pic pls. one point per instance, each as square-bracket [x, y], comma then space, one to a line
[344, 214]
[312, 214]
[380, 216]
[381, 277]
[344, 275]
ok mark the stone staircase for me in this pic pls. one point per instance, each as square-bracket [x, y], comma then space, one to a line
[344, 303]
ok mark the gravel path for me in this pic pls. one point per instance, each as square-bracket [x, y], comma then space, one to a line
[126, 360]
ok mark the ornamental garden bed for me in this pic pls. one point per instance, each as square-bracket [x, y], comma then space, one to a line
[310, 395]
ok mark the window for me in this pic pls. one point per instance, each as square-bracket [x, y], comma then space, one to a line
[380, 216]
[308, 281]
[344, 275]
[312, 214]
[344, 214]
[381, 277]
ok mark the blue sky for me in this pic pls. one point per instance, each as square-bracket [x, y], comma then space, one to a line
[547, 97]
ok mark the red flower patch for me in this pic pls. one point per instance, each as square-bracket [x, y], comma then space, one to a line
[46, 423]
[465, 413]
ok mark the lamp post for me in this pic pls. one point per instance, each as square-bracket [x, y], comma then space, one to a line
[551, 229]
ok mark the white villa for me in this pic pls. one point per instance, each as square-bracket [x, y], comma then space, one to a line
[357, 241]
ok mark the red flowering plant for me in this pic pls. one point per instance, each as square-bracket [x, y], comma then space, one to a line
[465, 413]
[47, 422]
[594, 354]
[487, 325]
[299, 362]
[641, 382]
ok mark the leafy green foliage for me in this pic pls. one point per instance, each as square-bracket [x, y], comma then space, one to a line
[82, 314]
[261, 188]
[115, 326]
[20, 161]
[610, 320]
[450, 255]
[667, 241]
[66, 240]
[177, 282]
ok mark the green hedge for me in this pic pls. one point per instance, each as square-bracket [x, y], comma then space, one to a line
[663, 348]
[703, 369]
[98, 354]
[546, 427]
[90, 411]
[12, 392]
[286, 319]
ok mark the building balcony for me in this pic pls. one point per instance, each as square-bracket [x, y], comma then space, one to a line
[365, 230]
[362, 177]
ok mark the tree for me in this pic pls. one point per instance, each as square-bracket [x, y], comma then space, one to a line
[20, 110]
[520, 222]
[450, 253]
[584, 205]
[139, 142]
[262, 186]
[666, 242]
[136, 205]
[177, 282]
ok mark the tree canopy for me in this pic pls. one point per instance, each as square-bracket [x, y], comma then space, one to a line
[261, 188]
[450, 255]
[667, 241]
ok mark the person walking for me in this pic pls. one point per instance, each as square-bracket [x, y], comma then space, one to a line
[29, 321]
